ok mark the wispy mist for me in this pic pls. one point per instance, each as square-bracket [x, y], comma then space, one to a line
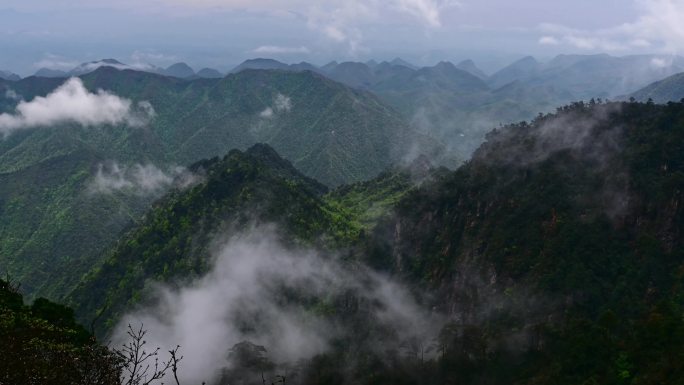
[11, 94]
[138, 179]
[281, 104]
[263, 292]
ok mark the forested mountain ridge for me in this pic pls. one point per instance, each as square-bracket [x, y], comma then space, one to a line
[555, 253]
[174, 239]
[563, 237]
[53, 222]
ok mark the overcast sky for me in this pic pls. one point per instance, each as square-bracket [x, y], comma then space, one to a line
[221, 33]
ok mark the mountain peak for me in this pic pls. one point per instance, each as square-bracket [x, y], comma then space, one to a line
[111, 61]
[209, 73]
[260, 64]
[401, 62]
[179, 70]
[9, 76]
[469, 66]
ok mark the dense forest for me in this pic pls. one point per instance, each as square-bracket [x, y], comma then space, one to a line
[553, 256]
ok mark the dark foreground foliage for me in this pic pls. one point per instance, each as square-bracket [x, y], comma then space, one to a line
[42, 344]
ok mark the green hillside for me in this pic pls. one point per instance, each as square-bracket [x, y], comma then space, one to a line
[52, 222]
[670, 89]
[553, 256]
[242, 189]
[555, 253]
[557, 250]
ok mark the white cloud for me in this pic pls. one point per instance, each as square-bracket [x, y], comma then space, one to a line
[659, 63]
[11, 94]
[282, 104]
[142, 58]
[73, 103]
[274, 49]
[56, 62]
[659, 27]
[139, 179]
[267, 113]
[246, 287]
[340, 21]
[548, 40]
[429, 11]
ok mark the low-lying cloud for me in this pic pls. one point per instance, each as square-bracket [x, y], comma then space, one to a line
[73, 103]
[139, 179]
[11, 94]
[263, 292]
[282, 104]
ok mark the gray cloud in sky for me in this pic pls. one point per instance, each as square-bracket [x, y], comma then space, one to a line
[201, 32]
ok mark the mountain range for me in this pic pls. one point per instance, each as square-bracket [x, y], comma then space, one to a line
[178, 70]
[459, 104]
[295, 221]
[48, 174]
[555, 253]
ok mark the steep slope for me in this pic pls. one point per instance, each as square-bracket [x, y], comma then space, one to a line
[667, 90]
[318, 124]
[555, 254]
[591, 76]
[557, 250]
[54, 222]
[521, 69]
[43, 343]
[6, 75]
[175, 237]
[470, 67]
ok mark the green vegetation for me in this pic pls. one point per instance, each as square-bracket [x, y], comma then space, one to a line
[556, 260]
[560, 259]
[54, 230]
[670, 89]
[174, 239]
[555, 253]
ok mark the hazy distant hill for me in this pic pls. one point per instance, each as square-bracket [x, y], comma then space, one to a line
[89, 67]
[458, 104]
[452, 104]
[522, 69]
[179, 70]
[470, 67]
[209, 73]
[6, 75]
[270, 64]
[670, 89]
[260, 64]
[591, 76]
[50, 73]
